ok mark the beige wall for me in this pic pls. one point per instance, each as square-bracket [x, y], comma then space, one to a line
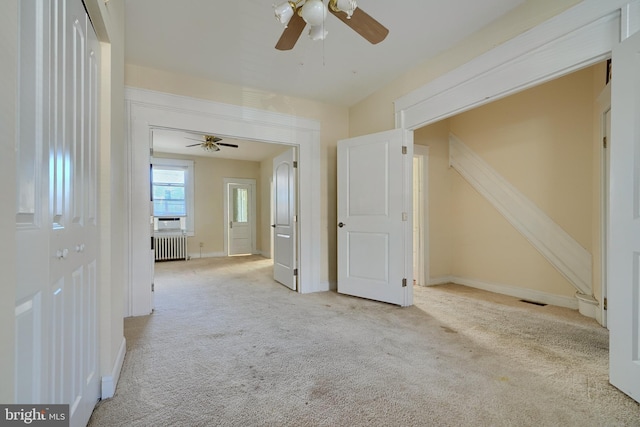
[376, 112]
[209, 223]
[8, 84]
[543, 142]
[334, 122]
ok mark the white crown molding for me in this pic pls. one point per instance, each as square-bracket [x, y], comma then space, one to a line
[236, 113]
[581, 36]
[555, 244]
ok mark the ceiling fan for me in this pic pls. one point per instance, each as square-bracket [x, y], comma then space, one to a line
[211, 143]
[295, 15]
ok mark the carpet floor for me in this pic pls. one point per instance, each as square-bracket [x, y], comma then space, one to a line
[228, 346]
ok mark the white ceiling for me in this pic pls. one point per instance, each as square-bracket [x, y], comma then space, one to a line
[233, 42]
[173, 141]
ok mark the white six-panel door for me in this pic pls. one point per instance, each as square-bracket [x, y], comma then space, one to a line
[57, 223]
[624, 213]
[374, 217]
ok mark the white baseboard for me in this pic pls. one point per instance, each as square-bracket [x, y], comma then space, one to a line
[109, 382]
[440, 280]
[321, 287]
[197, 255]
[513, 291]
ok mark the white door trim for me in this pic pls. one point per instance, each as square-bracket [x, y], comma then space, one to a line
[148, 109]
[252, 210]
[582, 36]
[421, 152]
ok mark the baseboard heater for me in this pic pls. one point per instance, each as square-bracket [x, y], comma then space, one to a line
[170, 248]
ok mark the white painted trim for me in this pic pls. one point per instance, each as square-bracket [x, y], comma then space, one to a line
[149, 109]
[422, 153]
[196, 255]
[556, 245]
[328, 286]
[441, 280]
[252, 210]
[513, 291]
[110, 382]
[518, 292]
[581, 36]
[604, 108]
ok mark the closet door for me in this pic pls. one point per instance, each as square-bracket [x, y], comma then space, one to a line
[57, 308]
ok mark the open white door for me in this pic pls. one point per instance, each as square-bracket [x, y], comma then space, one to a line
[284, 214]
[374, 217]
[624, 237]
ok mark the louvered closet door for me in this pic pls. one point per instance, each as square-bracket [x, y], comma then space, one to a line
[57, 308]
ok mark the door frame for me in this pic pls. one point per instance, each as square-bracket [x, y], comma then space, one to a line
[147, 109]
[252, 210]
[421, 152]
[582, 36]
[604, 110]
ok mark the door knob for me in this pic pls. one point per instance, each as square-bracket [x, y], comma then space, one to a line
[341, 224]
[273, 225]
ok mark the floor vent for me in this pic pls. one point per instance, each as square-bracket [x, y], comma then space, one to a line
[541, 304]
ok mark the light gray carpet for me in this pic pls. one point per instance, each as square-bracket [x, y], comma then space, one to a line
[229, 346]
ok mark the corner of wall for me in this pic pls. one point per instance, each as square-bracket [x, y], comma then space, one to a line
[110, 382]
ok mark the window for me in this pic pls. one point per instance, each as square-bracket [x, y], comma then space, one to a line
[172, 190]
[168, 191]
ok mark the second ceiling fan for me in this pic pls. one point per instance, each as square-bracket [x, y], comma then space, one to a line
[295, 15]
[211, 143]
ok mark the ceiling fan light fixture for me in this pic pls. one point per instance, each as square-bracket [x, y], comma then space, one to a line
[284, 12]
[313, 12]
[346, 6]
[210, 146]
[317, 32]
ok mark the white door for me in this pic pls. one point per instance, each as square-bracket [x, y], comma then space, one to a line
[57, 294]
[624, 238]
[240, 217]
[284, 217]
[374, 217]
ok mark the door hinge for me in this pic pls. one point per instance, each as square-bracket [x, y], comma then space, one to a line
[404, 282]
[405, 216]
[604, 142]
[404, 149]
[153, 287]
[604, 303]
[295, 271]
[295, 164]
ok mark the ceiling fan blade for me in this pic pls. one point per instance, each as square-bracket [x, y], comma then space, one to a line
[193, 145]
[363, 24]
[227, 145]
[291, 33]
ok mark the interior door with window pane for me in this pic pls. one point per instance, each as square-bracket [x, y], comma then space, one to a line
[240, 228]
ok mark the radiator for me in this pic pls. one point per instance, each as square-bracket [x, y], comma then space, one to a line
[170, 247]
